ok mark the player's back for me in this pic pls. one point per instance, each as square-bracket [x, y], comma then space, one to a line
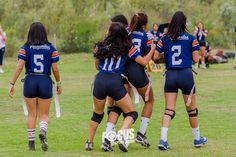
[178, 53]
[38, 58]
[141, 41]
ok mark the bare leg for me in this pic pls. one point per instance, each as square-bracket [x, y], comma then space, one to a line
[32, 112]
[98, 109]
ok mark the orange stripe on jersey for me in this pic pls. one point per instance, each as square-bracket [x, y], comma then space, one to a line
[132, 51]
[54, 54]
[160, 44]
[22, 52]
[149, 42]
[195, 43]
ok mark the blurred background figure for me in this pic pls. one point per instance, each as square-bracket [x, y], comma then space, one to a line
[3, 39]
[208, 56]
[201, 33]
[155, 34]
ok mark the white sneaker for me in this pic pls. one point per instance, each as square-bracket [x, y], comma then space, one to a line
[1, 71]
[196, 66]
[203, 66]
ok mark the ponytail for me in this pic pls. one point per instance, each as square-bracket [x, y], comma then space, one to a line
[138, 21]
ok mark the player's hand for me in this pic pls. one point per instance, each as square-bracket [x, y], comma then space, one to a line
[153, 46]
[59, 90]
[11, 90]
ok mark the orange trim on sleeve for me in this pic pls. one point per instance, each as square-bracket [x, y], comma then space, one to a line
[160, 44]
[149, 42]
[54, 54]
[132, 51]
[195, 43]
[22, 52]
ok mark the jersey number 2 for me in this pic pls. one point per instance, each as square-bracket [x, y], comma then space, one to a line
[176, 49]
[38, 62]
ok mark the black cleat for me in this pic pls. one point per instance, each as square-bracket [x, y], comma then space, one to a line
[142, 139]
[106, 145]
[43, 140]
[31, 145]
[88, 146]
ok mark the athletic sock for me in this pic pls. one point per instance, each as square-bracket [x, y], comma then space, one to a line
[43, 126]
[143, 125]
[164, 131]
[110, 127]
[31, 134]
[196, 133]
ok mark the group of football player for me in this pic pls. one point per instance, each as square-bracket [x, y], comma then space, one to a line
[120, 59]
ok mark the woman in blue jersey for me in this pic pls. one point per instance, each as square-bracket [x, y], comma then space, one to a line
[39, 57]
[179, 48]
[154, 33]
[201, 33]
[111, 55]
[137, 75]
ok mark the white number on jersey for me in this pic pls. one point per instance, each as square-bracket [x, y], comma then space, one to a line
[38, 63]
[176, 49]
[117, 63]
[137, 43]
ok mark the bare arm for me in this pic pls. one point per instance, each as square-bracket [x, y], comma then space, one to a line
[195, 56]
[145, 60]
[158, 58]
[204, 33]
[19, 68]
[56, 74]
[55, 71]
[96, 63]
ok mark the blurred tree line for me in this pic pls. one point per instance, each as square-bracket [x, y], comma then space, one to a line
[79, 24]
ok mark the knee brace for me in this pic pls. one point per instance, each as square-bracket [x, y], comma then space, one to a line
[171, 115]
[117, 110]
[109, 109]
[133, 114]
[97, 117]
[193, 113]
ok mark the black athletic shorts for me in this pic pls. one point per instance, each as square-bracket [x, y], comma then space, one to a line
[202, 43]
[179, 79]
[136, 74]
[109, 84]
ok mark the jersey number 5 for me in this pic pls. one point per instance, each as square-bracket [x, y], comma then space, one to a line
[176, 49]
[38, 62]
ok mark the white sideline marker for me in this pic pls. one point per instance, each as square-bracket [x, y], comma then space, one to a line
[25, 110]
[56, 101]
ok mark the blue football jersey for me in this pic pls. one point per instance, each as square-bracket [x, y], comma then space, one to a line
[141, 41]
[178, 53]
[200, 36]
[117, 66]
[155, 36]
[38, 58]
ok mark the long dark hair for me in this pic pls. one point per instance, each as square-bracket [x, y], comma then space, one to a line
[120, 18]
[138, 21]
[117, 43]
[37, 34]
[177, 25]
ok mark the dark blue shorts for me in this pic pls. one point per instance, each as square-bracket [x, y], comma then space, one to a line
[109, 84]
[36, 85]
[136, 74]
[2, 51]
[179, 79]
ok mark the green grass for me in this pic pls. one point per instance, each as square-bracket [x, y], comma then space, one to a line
[216, 88]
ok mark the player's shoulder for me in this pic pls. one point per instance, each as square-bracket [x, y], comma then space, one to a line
[164, 38]
[139, 33]
[188, 36]
[25, 47]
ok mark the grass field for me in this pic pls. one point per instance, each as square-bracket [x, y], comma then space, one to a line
[216, 93]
